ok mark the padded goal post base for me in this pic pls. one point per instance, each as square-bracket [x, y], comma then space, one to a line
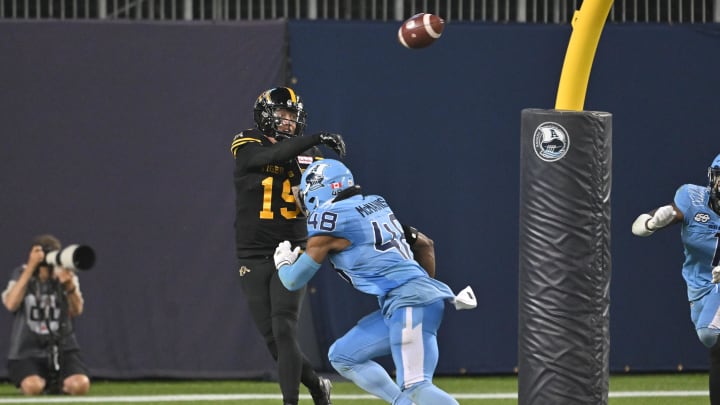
[564, 257]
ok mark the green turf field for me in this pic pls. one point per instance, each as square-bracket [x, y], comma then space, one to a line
[665, 389]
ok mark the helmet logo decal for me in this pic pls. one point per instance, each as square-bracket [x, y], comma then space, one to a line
[551, 141]
[315, 177]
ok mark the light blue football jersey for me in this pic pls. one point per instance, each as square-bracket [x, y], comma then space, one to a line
[700, 239]
[379, 260]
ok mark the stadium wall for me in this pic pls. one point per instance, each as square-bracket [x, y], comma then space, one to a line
[437, 131]
[116, 135]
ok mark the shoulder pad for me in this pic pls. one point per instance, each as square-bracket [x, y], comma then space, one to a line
[243, 138]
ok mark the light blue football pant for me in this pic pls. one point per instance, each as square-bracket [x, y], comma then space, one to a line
[410, 336]
[705, 314]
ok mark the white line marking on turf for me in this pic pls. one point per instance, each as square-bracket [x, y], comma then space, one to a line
[652, 394]
[240, 397]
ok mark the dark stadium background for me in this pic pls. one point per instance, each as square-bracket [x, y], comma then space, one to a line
[117, 135]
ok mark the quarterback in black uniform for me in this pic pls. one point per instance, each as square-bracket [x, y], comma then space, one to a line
[269, 161]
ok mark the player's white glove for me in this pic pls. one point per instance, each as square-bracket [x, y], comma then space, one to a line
[285, 254]
[662, 217]
[646, 224]
[465, 299]
[716, 274]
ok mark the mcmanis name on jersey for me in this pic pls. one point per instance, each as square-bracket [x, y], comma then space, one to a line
[373, 206]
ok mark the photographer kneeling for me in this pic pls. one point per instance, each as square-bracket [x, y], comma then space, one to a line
[44, 354]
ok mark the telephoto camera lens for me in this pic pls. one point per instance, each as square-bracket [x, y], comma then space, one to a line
[73, 257]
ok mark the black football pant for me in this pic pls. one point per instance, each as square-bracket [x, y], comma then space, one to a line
[715, 374]
[275, 311]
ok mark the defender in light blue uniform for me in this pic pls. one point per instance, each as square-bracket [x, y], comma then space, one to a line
[698, 208]
[700, 241]
[366, 244]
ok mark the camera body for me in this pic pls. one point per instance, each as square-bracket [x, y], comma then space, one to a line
[72, 257]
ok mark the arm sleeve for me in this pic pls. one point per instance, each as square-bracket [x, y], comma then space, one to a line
[278, 152]
[296, 275]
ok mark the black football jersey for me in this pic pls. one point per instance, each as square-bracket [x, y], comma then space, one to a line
[266, 209]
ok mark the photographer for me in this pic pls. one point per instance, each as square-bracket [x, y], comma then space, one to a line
[44, 355]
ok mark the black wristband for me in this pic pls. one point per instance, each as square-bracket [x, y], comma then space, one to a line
[411, 234]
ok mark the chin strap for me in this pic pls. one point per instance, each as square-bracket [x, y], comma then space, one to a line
[280, 136]
[348, 192]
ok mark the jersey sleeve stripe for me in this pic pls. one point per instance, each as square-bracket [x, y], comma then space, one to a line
[240, 142]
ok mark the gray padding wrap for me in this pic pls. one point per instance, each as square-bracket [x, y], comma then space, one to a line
[564, 257]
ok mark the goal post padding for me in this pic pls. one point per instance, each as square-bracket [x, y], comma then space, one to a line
[564, 257]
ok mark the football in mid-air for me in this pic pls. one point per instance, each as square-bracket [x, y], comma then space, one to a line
[420, 30]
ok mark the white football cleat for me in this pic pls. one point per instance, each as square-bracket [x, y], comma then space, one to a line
[465, 299]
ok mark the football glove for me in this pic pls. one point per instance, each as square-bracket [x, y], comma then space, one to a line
[716, 274]
[284, 254]
[334, 142]
[465, 299]
[662, 217]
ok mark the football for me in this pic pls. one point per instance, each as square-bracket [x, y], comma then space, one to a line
[420, 30]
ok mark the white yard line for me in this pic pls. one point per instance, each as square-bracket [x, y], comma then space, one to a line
[240, 397]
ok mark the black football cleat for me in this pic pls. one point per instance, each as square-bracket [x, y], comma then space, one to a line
[325, 387]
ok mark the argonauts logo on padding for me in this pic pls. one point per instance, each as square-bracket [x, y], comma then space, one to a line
[551, 141]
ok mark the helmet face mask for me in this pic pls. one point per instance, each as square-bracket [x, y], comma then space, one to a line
[301, 202]
[321, 182]
[714, 184]
[279, 113]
